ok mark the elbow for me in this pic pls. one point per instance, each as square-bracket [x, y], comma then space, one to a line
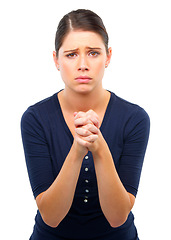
[115, 223]
[46, 214]
[48, 221]
[51, 224]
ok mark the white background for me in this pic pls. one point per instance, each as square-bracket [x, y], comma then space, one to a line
[140, 72]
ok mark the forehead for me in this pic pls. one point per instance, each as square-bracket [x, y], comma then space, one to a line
[82, 39]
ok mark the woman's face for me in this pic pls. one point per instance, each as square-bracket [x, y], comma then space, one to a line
[82, 59]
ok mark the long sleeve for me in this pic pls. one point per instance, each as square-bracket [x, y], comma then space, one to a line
[38, 159]
[136, 136]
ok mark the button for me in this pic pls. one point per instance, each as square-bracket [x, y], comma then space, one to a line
[87, 191]
[87, 181]
[85, 200]
[86, 169]
[86, 157]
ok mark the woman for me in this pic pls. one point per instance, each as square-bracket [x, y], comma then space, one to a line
[84, 146]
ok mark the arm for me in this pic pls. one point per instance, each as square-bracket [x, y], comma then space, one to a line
[116, 202]
[53, 196]
[56, 201]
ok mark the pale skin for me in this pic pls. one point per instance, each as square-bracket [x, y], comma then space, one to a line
[83, 106]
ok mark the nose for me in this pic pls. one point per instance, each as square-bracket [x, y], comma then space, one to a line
[83, 64]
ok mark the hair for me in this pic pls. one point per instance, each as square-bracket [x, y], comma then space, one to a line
[80, 19]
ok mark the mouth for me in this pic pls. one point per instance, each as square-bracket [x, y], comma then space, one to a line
[83, 79]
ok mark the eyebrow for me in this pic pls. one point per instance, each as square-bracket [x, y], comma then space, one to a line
[90, 48]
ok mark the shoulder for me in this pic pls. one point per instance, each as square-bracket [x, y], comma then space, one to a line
[41, 111]
[43, 105]
[126, 116]
[126, 109]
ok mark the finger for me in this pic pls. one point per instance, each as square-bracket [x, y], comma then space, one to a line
[91, 138]
[82, 132]
[81, 141]
[82, 121]
[94, 121]
[91, 112]
[93, 117]
[79, 114]
[91, 128]
[89, 117]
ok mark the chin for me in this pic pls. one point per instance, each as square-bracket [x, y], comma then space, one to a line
[84, 89]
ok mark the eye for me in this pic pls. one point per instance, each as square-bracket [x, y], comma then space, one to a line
[94, 53]
[71, 55]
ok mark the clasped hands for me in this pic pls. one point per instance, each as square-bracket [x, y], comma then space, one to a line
[87, 131]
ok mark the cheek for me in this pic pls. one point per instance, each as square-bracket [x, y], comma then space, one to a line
[100, 67]
[66, 70]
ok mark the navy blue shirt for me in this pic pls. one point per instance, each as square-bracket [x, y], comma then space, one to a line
[47, 141]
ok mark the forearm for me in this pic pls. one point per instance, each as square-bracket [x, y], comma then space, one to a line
[55, 202]
[114, 199]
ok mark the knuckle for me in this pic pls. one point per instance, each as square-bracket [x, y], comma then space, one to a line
[79, 115]
[86, 132]
[76, 121]
[87, 144]
[89, 126]
[92, 138]
[87, 120]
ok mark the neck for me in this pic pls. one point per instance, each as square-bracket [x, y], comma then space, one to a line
[75, 102]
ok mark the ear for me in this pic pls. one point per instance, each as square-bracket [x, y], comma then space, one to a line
[109, 55]
[55, 60]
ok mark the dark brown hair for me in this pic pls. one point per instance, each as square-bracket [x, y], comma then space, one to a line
[80, 19]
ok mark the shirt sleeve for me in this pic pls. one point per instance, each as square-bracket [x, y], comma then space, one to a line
[37, 154]
[136, 136]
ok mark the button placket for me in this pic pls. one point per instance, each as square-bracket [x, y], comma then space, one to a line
[86, 169]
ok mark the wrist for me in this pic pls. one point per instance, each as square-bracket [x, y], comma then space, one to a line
[79, 150]
[97, 149]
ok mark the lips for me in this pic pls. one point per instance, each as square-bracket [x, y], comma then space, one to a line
[83, 79]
